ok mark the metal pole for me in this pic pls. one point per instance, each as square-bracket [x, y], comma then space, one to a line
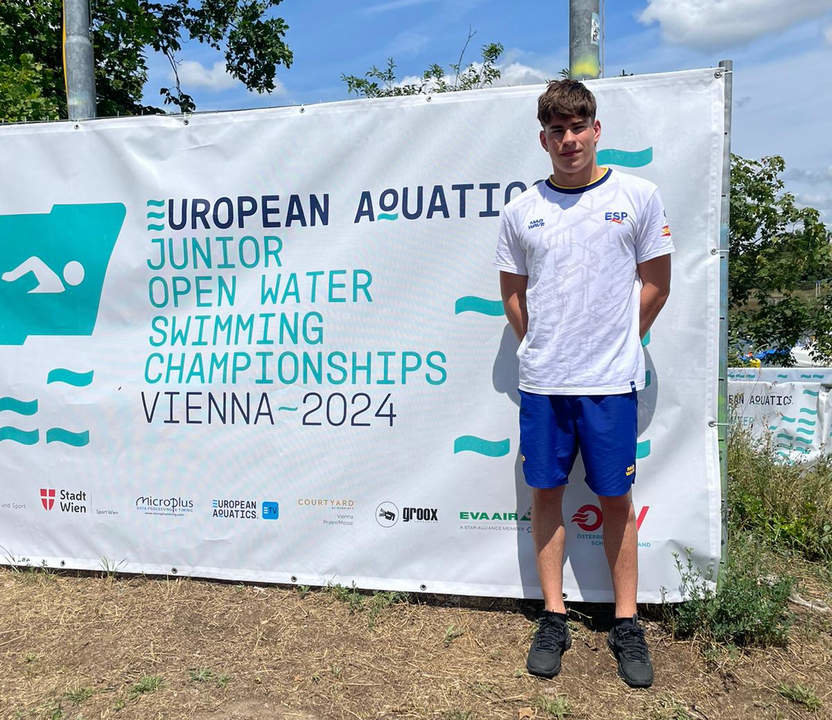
[79, 67]
[584, 39]
[727, 73]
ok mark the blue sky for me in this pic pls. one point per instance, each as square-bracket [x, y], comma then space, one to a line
[782, 53]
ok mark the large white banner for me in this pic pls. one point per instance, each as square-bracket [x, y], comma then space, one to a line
[268, 345]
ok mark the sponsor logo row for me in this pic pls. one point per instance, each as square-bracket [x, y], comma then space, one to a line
[588, 518]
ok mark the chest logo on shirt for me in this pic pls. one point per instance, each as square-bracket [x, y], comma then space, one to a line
[616, 217]
[536, 223]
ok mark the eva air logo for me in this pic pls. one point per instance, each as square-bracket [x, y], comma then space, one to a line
[52, 269]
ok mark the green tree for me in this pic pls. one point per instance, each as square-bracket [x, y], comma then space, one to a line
[384, 83]
[777, 252]
[21, 91]
[124, 31]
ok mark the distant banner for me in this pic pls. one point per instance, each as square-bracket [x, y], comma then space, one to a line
[269, 345]
[794, 417]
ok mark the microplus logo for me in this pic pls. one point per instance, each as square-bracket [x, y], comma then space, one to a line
[538, 223]
[168, 506]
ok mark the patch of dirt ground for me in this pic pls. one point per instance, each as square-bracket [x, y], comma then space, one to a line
[76, 646]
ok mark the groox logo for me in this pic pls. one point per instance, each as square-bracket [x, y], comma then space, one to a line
[52, 269]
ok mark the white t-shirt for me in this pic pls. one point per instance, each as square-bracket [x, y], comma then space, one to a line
[579, 248]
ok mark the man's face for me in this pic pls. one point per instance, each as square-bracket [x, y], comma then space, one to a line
[570, 141]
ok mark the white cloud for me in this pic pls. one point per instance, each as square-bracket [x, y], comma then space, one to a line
[512, 74]
[518, 74]
[194, 74]
[711, 24]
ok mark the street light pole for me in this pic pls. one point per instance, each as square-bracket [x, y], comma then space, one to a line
[79, 67]
[585, 37]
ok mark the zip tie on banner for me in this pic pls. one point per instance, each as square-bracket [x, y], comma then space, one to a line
[714, 423]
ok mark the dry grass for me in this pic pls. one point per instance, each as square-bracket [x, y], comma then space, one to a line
[78, 646]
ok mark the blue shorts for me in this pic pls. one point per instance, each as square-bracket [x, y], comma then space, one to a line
[605, 427]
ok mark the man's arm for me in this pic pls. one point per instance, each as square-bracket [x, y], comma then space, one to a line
[513, 290]
[655, 287]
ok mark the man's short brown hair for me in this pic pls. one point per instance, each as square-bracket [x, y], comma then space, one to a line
[565, 97]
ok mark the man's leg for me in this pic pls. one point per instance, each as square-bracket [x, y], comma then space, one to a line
[552, 638]
[549, 537]
[626, 638]
[621, 548]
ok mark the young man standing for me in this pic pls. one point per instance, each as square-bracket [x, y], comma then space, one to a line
[584, 261]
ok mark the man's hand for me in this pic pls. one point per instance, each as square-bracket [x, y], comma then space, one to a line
[655, 287]
[513, 290]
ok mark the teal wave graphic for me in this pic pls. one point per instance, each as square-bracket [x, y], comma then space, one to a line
[489, 448]
[811, 392]
[157, 215]
[647, 379]
[388, 216]
[780, 375]
[286, 407]
[19, 406]
[789, 419]
[17, 435]
[806, 430]
[803, 440]
[642, 450]
[471, 303]
[772, 427]
[68, 438]
[625, 158]
[69, 377]
[645, 341]
[784, 436]
[805, 421]
[820, 377]
[155, 227]
[155, 203]
[808, 412]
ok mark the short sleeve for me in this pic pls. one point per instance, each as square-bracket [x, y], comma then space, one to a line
[653, 238]
[510, 255]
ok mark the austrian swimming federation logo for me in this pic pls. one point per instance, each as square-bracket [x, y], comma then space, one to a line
[588, 518]
[47, 498]
[52, 269]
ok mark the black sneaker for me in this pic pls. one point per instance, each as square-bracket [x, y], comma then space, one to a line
[551, 640]
[626, 640]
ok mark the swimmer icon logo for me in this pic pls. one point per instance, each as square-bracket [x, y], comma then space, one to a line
[52, 269]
